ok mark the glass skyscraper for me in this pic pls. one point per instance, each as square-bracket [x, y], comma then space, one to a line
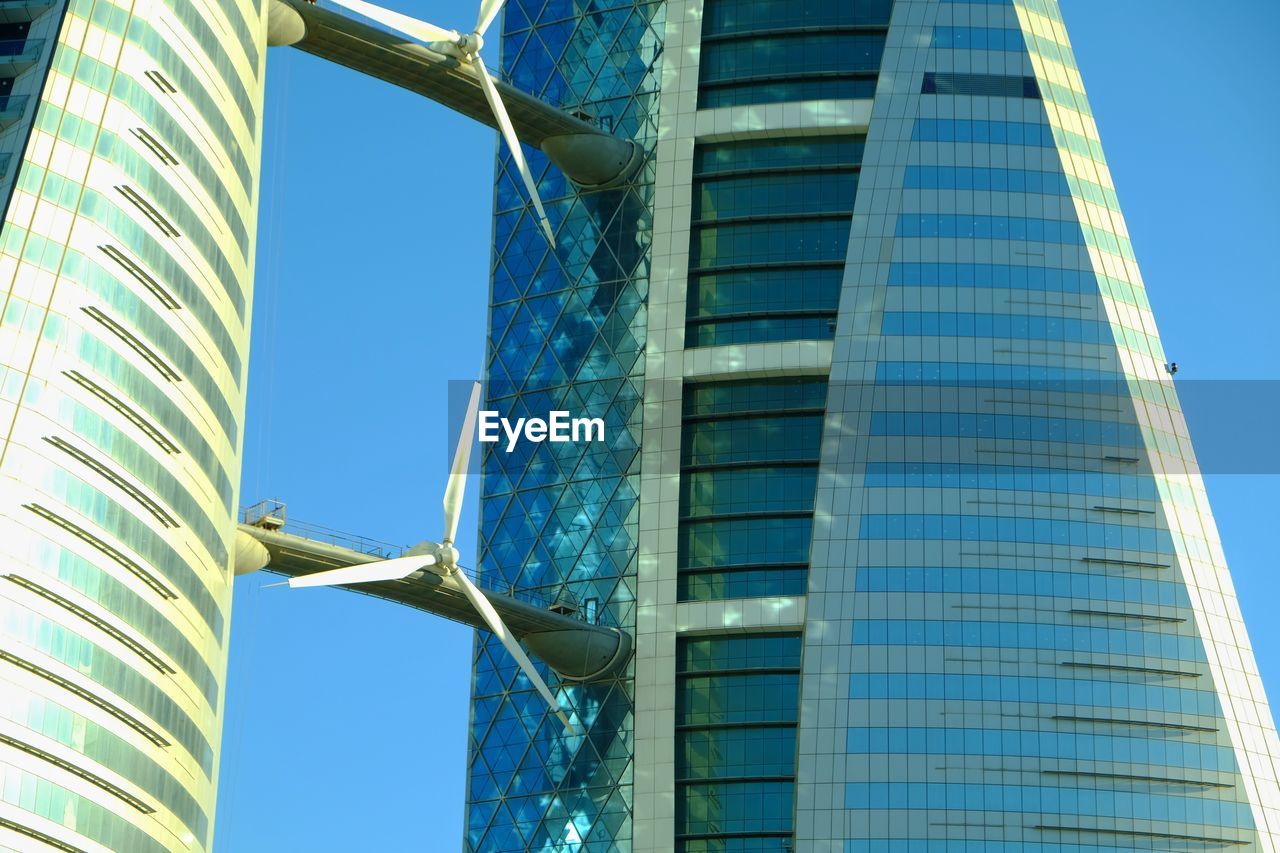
[129, 149]
[897, 500]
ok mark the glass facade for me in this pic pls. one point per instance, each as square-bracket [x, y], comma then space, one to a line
[912, 556]
[132, 140]
[566, 332]
[1031, 662]
[757, 52]
[737, 701]
[749, 464]
[767, 238]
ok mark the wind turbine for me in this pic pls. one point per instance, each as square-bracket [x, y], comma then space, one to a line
[443, 559]
[466, 49]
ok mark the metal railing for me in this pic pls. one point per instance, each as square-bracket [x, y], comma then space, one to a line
[271, 514]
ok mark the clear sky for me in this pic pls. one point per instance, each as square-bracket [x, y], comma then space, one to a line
[346, 719]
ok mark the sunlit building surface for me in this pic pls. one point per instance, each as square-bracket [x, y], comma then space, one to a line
[129, 149]
[897, 497]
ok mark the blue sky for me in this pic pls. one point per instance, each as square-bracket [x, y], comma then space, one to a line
[346, 716]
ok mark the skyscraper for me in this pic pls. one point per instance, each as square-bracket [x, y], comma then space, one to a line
[898, 500]
[129, 146]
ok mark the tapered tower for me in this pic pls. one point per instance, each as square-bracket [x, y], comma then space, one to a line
[129, 144]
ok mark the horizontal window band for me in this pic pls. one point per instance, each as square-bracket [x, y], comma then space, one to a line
[91, 778]
[694, 727]
[98, 702]
[1113, 614]
[742, 35]
[101, 624]
[791, 77]
[1115, 721]
[43, 838]
[766, 171]
[112, 552]
[763, 833]
[148, 210]
[157, 511]
[1137, 670]
[706, 319]
[1124, 777]
[753, 413]
[1133, 833]
[153, 432]
[802, 267]
[154, 145]
[746, 516]
[161, 82]
[765, 266]
[1137, 564]
[765, 218]
[134, 343]
[717, 673]
[1125, 460]
[142, 276]
[752, 567]
[980, 85]
[716, 780]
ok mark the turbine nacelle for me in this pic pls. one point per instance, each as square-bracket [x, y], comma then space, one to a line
[444, 557]
[470, 45]
[447, 555]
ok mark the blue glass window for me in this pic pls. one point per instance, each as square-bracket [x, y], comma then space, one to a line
[757, 439]
[798, 394]
[737, 703]
[772, 51]
[985, 85]
[1025, 427]
[1038, 582]
[745, 528]
[745, 541]
[740, 582]
[965, 325]
[730, 491]
[788, 153]
[1080, 746]
[973, 528]
[975, 130]
[770, 230]
[789, 67]
[797, 240]
[974, 226]
[978, 38]
[747, 16]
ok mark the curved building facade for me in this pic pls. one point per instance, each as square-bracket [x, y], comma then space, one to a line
[131, 144]
[912, 540]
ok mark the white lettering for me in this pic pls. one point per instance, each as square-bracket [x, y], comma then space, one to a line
[513, 433]
[536, 430]
[594, 428]
[558, 427]
[488, 427]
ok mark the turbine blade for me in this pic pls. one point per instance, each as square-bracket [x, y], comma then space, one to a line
[458, 473]
[485, 609]
[412, 27]
[380, 570]
[513, 143]
[489, 10]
